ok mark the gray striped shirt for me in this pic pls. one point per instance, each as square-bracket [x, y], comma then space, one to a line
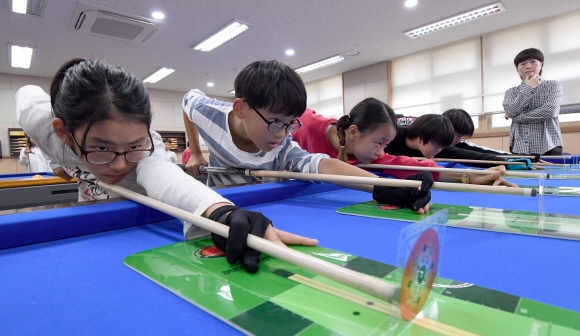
[210, 117]
[535, 127]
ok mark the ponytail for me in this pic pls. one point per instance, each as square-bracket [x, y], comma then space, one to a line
[367, 115]
[342, 125]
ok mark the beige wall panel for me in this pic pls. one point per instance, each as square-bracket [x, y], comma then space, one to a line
[571, 142]
[371, 73]
[378, 90]
[352, 96]
[9, 166]
[163, 114]
[165, 95]
[18, 81]
[4, 81]
[505, 143]
[491, 142]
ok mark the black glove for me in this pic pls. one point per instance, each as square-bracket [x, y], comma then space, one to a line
[410, 197]
[241, 222]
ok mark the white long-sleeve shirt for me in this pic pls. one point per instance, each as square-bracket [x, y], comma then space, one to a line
[33, 162]
[154, 176]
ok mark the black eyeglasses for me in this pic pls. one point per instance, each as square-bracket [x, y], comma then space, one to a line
[276, 125]
[103, 157]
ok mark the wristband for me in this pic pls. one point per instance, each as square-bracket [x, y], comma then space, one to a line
[465, 178]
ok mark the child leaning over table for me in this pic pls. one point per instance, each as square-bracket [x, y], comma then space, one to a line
[253, 132]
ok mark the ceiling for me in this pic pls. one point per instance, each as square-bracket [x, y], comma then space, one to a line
[315, 29]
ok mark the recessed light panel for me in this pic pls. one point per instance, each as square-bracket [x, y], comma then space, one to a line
[21, 57]
[456, 20]
[320, 64]
[31, 7]
[158, 75]
[222, 36]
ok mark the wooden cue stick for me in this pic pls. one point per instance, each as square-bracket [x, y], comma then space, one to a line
[448, 170]
[532, 157]
[380, 307]
[372, 181]
[16, 183]
[490, 162]
[358, 281]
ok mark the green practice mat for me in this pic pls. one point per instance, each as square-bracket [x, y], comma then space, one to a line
[509, 221]
[555, 191]
[282, 299]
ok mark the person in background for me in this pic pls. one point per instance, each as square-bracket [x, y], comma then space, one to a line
[170, 155]
[361, 136]
[32, 158]
[533, 106]
[463, 127]
[186, 154]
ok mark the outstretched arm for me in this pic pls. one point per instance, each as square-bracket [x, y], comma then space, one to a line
[196, 159]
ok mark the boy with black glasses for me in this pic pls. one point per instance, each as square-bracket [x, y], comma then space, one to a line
[254, 132]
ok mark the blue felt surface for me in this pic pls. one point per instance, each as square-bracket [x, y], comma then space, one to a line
[80, 286]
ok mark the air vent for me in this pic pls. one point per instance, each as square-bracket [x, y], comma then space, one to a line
[103, 22]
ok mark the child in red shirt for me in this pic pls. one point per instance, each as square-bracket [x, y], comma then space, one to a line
[362, 135]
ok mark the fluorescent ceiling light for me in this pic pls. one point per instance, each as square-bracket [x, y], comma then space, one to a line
[158, 15]
[31, 7]
[21, 57]
[321, 64]
[232, 92]
[289, 52]
[19, 6]
[457, 19]
[410, 3]
[210, 84]
[222, 36]
[158, 75]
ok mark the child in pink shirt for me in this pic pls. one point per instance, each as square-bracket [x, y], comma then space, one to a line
[361, 137]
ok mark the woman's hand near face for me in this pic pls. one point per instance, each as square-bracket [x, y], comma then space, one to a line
[532, 81]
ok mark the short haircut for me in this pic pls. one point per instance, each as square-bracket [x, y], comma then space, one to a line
[461, 121]
[526, 54]
[272, 85]
[166, 140]
[432, 127]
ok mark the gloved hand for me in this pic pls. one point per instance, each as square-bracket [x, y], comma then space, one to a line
[537, 158]
[527, 166]
[241, 222]
[411, 197]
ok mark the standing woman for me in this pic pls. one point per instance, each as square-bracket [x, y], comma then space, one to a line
[533, 106]
[32, 159]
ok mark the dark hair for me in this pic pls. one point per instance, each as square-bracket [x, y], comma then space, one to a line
[87, 91]
[526, 54]
[367, 115]
[166, 140]
[432, 127]
[272, 85]
[461, 121]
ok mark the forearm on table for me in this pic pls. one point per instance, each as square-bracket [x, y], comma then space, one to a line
[337, 167]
